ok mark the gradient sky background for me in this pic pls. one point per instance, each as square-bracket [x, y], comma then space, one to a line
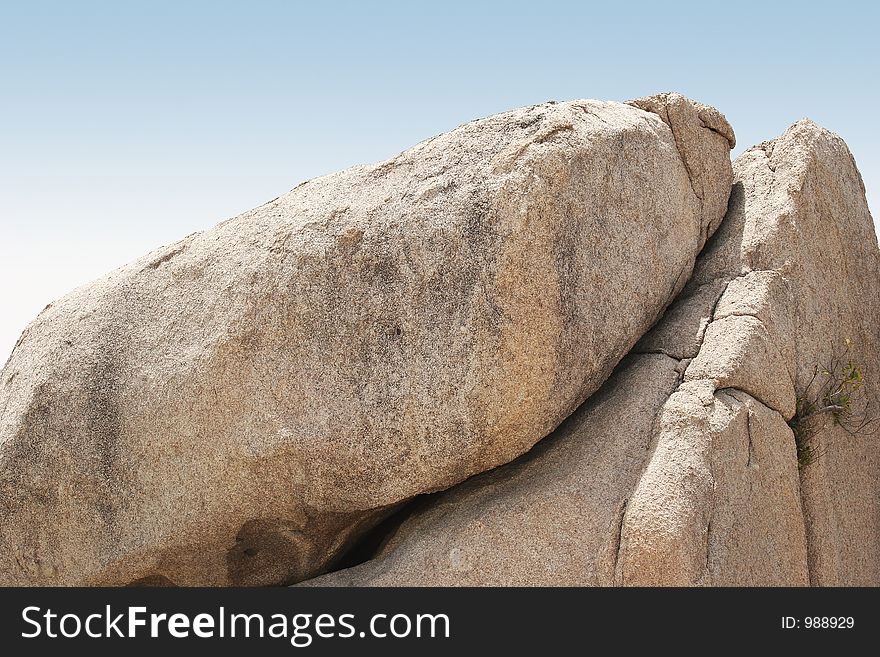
[127, 125]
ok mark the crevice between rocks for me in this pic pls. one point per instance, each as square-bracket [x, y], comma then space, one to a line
[370, 544]
[617, 539]
[749, 435]
[811, 548]
[685, 361]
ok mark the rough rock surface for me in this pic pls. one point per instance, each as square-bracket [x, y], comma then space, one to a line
[238, 407]
[683, 469]
[551, 518]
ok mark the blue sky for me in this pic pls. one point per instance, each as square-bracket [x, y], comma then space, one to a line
[127, 125]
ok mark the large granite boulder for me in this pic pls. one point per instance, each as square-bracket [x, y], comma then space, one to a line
[239, 407]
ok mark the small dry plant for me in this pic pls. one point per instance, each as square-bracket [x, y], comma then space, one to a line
[835, 393]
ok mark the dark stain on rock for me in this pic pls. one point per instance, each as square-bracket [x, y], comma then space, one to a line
[267, 551]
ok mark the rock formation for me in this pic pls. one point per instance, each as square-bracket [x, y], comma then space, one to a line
[684, 468]
[240, 407]
[248, 405]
